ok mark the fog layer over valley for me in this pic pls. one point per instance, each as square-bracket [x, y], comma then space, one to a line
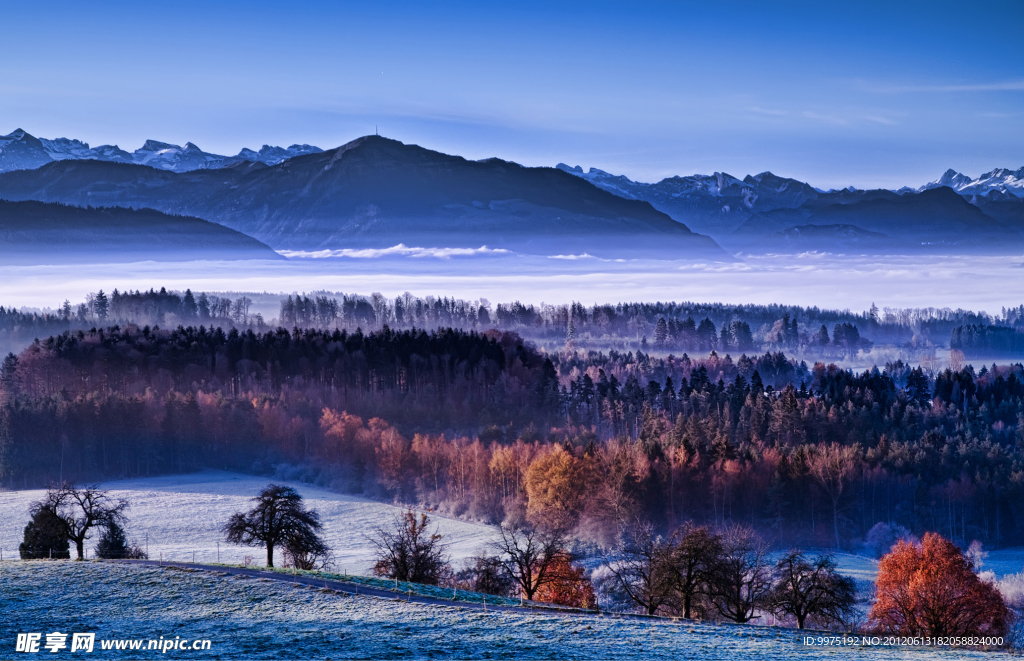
[827, 280]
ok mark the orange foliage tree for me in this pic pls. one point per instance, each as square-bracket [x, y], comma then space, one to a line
[555, 488]
[567, 585]
[932, 590]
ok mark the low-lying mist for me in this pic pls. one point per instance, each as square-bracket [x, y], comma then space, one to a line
[811, 279]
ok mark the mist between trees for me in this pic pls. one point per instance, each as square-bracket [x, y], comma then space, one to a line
[485, 425]
[810, 332]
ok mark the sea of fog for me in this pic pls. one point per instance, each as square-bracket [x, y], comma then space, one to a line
[825, 280]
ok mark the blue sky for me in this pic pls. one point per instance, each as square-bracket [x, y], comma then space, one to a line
[870, 94]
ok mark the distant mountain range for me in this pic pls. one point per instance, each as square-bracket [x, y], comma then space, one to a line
[376, 192]
[999, 184]
[22, 151]
[47, 233]
[768, 212]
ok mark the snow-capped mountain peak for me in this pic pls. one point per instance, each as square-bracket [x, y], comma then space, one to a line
[156, 146]
[21, 151]
[63, 148]
[998, 183]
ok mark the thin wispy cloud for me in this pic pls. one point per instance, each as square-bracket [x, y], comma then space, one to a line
[828, 119]
[774, 112]
[401, 250]
[1005, 86]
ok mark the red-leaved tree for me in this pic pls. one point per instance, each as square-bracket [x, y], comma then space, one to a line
[932, 590]
[568, 585]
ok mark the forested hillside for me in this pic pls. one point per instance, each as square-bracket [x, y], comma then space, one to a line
[486, 425]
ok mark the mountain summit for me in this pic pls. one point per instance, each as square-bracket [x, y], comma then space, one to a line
[22, 151]
[377, 192]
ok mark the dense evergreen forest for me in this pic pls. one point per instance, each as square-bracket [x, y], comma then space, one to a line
[486, 424]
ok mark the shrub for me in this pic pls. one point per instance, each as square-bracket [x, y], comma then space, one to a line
[408, 552]
[882, 537]
[486, 574]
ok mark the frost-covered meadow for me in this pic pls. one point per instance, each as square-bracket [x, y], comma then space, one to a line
[253, 619]
[179, 514]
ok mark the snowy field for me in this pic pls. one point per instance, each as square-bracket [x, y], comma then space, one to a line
[179, 514]
[253, 619]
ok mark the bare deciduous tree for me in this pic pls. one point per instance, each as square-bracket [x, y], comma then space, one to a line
[644, 567]
[80, 509]
[811, 589]
[695, 554]
[527, 553]
[278, 518]
[742, 578]
[409, 552]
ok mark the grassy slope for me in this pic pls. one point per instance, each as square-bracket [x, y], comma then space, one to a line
[253, 619]
[184, 513]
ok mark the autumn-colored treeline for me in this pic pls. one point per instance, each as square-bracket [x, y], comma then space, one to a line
[485, 425]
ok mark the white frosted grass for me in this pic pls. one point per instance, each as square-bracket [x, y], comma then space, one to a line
[184, 513]
[254, 619]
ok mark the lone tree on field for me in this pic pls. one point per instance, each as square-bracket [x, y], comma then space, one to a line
[45, 536]
[278, 518]
[80, 509]
[932, 590]
[811, 588]
[528, 554]
[409, 552]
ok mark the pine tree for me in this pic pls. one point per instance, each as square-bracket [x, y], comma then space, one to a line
[101, 305]
[113, 544]
[44, 537]
[189, 308]
[660, 332]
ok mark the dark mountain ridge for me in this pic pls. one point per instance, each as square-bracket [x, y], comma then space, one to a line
[377, 192]
[934, 219]
[39, 232]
